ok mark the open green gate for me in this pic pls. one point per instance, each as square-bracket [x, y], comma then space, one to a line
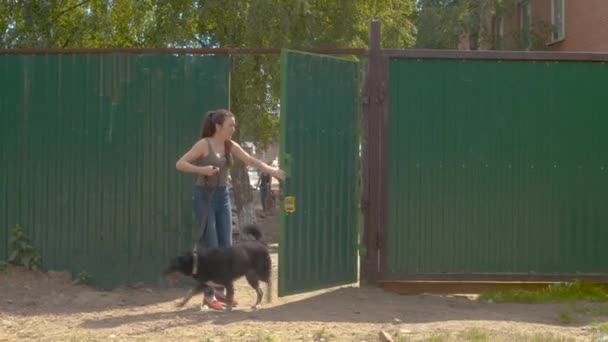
[319, 151]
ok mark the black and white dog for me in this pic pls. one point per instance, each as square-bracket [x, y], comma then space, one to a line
[222, 266]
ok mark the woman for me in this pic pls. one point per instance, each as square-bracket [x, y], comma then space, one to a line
[212, 156]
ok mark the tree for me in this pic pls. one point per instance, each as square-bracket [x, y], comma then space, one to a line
[96, 23]
[440, 24]
[443, 24]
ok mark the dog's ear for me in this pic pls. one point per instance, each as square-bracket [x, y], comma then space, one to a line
[183, 261]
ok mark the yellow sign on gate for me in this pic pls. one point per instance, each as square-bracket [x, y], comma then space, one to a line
[289, 204]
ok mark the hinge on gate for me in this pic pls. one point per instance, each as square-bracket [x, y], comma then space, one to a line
[364, 204]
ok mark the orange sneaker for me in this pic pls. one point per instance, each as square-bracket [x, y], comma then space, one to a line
[222, 298]
[213, 304]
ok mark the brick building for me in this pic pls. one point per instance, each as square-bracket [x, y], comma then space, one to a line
[554, 25]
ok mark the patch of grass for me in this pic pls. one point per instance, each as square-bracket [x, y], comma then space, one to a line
[80, 339]
[591, 309]
[565, 317]
[270, 338]
[601, 327]
[83, 278]
[546, 337]
[3, 266]
[475, 335]
[266, 337]
[437, 338]
[554, 293]
[322, 334]
[402, 338]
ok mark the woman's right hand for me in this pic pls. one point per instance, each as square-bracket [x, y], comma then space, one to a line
[209, 170]
[278, 173]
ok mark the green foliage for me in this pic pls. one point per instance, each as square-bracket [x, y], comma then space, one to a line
[601, 327]
[544, 337]
[535, 39]
[441, 24]
[97, 23]
[437, 337]
[21, 251]
[83, 278]
[475, 335]
[560, 292]
[594, 309]
[322, 334]
[565, 317]
[444, 24]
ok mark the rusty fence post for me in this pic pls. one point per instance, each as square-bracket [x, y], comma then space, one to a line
[374, 162]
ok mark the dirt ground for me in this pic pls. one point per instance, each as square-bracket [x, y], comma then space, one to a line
[47, 306]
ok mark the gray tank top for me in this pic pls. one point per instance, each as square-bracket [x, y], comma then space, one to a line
[220, 178]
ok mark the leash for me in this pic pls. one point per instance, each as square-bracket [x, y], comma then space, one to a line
[204, 221]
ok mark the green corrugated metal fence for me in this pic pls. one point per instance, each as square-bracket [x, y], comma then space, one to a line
[497, 167]
[89, 144]
[319, 150]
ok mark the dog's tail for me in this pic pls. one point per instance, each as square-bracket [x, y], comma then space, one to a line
[253, 230]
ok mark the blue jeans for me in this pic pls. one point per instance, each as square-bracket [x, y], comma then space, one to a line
[215, 204]
[219, 216]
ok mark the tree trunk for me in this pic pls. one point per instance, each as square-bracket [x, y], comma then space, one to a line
[474, 27]
[243, 196]
[481, 12]
[29, 23]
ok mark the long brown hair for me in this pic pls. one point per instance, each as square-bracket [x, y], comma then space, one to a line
[217, 117]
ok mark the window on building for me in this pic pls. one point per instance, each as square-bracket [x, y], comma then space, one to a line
[558, 20]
